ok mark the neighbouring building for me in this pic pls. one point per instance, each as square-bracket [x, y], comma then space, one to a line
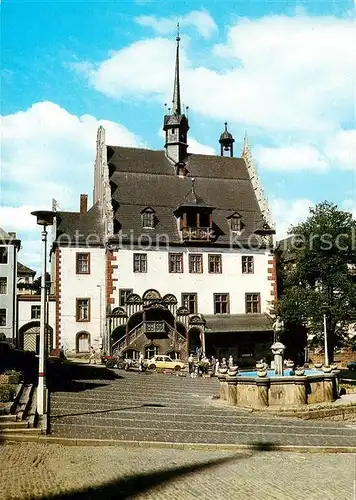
[9, 248]
[176, 253]
[28, 323]
[25, 279]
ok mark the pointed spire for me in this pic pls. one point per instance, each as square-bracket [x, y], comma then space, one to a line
[176, 107]
[246, 147]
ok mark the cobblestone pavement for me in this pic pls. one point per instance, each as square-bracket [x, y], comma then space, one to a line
[156, 407]
[34, 470]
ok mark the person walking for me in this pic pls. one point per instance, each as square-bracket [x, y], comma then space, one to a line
[92, 355]
[190, 363]
[217, 364]
[140, 361]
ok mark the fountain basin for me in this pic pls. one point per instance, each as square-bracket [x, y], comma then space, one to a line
[247, 389]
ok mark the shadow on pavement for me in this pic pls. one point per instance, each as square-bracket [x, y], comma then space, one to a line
[75, 377]
[94, 412]
[128, 487]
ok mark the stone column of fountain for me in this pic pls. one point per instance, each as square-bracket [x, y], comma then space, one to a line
[278, 351]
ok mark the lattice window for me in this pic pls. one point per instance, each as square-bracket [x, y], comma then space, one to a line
[195, 263]
[247, 264]
[221, 303]
[215, 263]
[253, 303]
[175, 262]
[190, 301]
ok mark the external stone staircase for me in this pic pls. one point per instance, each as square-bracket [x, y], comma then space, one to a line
[19, 417]
[127, 340]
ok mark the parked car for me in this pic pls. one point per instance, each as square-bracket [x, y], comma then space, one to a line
[165, 362]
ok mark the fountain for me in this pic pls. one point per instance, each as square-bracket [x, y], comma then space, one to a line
[278, 387]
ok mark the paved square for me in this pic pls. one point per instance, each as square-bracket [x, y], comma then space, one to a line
[168, 408]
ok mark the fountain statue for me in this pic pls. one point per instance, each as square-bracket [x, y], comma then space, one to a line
[278, 350]
[277, 347]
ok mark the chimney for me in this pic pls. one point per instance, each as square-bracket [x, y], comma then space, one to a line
[83, 203]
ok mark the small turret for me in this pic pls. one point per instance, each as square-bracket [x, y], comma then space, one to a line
[226, 142]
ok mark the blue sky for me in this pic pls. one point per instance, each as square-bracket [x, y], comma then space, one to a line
[282, 71]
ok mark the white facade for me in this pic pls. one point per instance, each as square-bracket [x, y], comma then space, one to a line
[230, 281]
[8, 265]
[73, 286]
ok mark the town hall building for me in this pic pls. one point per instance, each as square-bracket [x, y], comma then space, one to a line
[175, 254]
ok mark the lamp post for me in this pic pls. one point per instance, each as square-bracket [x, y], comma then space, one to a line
[325, 337]
[44, 219]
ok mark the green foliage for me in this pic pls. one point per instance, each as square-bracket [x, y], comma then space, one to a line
[14, 376]
[7, 392]
[36, 285]
[320, 278]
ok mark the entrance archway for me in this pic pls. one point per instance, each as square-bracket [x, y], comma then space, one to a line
[29, 337]
[82, 341]
[194, 340]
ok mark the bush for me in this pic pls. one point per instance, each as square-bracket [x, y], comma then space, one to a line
[351, 365]
[14, 376]
[7, 392]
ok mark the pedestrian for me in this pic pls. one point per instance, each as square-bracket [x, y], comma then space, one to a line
[61, 354]
[92, 355]
[231, 361]
[212, 364]
[190, 363]
[217, 364]
[140, 362]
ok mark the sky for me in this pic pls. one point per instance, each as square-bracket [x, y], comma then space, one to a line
[283, 72]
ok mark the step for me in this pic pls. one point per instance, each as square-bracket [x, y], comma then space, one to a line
[13, 425]
[21, 431]
[8, 418]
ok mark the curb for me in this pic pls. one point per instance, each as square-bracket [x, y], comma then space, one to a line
[180, 446]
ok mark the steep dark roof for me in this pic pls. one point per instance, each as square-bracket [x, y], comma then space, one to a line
[143, 177]
[238, 323]
[80, 228]
[24, 270]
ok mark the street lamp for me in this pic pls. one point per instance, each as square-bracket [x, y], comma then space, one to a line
[324, 309]
[44, 219]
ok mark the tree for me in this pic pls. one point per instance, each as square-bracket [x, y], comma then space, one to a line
[36, 285]
[320, 278]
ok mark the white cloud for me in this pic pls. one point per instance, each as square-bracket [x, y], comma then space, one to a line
[199, 148]
[289, 212]
[199, 19]
[291, 158]
[48, 152]
[341, 149]
[280, 74]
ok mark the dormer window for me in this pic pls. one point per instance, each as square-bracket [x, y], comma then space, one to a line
[148, 218]
[235, 222]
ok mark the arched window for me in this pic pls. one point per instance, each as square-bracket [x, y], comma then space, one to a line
[150, 351]
[83, 342]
